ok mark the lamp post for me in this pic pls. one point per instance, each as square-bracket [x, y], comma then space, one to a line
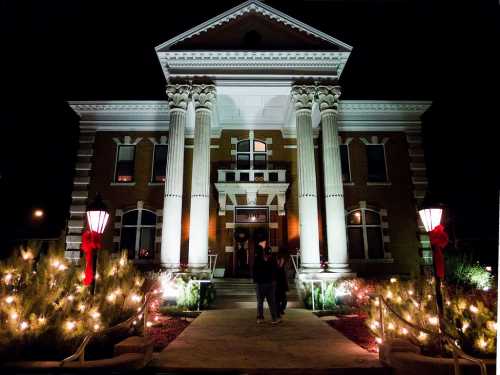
[97, 218]
[431, 218]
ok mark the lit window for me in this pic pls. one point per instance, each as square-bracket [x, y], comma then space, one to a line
[344, 163]
[251, 155]
[125, 163]
[365, 236]
[138, 234]
[377, 171]
[159, 163]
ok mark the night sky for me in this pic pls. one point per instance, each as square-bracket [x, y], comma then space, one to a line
[54, 51]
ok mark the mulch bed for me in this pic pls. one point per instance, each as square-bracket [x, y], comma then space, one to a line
[165, 330]
[354, 328]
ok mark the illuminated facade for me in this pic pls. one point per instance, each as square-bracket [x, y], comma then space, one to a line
[253, 139]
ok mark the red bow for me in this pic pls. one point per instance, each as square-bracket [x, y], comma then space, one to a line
[90, 241]
[439, 240]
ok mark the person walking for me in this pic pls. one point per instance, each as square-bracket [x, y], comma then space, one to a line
[264, 276]
[281, 285]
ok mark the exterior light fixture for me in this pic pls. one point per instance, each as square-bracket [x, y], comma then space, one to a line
[97, 215]
[38, 213]
[431, 214]
[97, 218]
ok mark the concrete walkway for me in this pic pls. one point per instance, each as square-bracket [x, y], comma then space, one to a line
[231, 341]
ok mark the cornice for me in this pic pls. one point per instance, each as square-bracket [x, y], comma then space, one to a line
[257, 7]
[161, 106]
[146, 106]
[194, 62]
[357, 106]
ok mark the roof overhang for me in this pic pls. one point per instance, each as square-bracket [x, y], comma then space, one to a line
[354, 115]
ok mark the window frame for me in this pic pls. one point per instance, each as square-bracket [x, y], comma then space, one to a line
[252, 152]
[139, 227]
[117, 155]
[152, 180]
[386, 180]
[346, 145]
[364, 227]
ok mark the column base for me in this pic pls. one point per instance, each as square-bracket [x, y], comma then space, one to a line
[341, 268]
[324, 275]
[198, 268]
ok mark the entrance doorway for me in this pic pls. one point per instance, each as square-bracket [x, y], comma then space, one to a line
[251, 226]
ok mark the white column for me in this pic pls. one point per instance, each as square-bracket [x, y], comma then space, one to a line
[303, 97]
[332, 172]
[204, 100]
[178, 96]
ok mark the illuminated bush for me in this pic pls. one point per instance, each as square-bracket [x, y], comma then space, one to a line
[469, 318]
[45, 310]
[462, 270]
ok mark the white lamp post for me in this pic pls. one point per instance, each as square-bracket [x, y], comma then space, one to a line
[97, 218]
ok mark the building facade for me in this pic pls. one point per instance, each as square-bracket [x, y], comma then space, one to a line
[253, 140]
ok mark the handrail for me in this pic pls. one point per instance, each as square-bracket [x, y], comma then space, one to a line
[296, 262]
[79, 354]
[457, 352]
[212, 263]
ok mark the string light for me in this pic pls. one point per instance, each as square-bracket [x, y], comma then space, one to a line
[434, 320]
[403, 331]
[136, 298]
[111, 297]
[8, 278]
[391, 326]
[81, 307]
[96, 327]
[14, 315]
[71, 297]
[70, 325]
[24, 325]
[393, 280]
[9, 300]
[378, 340]
[465, 325]
[473, 309]
[95, 314]
[41, 320]
[422, 336]
[149, 324]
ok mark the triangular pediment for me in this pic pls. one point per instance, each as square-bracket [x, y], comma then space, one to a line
[253, 26]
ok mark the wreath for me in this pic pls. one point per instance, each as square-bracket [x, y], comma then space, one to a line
[241, 234]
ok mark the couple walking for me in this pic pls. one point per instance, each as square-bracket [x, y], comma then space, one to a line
[271, 282]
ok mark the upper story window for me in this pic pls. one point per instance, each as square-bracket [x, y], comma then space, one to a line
[251, 154]
[377, 167]
[159, 163]
[138, 233]
[125, 160]
[365, 235]
[344, 162]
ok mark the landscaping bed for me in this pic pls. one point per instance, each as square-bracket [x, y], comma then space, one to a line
[353, 326]
[166, 329]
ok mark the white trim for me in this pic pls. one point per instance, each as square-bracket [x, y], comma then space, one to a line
[386, 183]
[122, 184]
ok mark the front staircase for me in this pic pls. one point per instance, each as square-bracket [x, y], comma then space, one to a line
[234, 293]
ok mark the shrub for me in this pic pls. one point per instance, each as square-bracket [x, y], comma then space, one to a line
[470, 317]
[45, 311]
[461, 269]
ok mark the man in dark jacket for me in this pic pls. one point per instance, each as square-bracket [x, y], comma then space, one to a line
[264, 276]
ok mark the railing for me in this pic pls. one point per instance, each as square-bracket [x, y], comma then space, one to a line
[442, 336]
[296, 261]
[141, 314]
[212, 263]
[251, 175]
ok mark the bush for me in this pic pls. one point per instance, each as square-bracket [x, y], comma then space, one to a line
[461, 269]
[470, 316]
[45, 311]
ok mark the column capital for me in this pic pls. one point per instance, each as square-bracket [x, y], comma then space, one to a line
[178, 96]
[303, 96]
[204, 96]
[328, 98]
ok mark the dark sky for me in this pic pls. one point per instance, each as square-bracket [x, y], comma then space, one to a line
[59, 50]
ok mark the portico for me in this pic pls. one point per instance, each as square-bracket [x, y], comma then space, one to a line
[252, 120]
